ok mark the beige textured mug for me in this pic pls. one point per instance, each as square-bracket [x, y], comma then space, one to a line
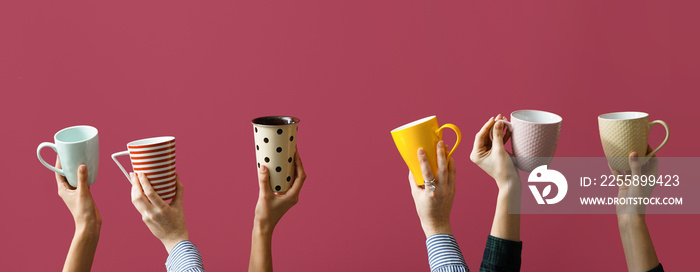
[621, 133]
[275, 146]
[534, 137]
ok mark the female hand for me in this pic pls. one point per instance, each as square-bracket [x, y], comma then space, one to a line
[491, 155]
[87, 220]
[165, 221]
[434, 200]
[79, 200]
[272, 206]
[268, 212]
[628, 189]
[640, 254]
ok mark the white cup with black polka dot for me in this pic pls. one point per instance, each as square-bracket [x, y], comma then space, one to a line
[275, 146]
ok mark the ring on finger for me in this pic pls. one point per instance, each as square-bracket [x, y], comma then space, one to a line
[430, 182]
[432, 188]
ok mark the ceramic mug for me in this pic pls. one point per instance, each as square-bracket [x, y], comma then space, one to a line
[75, 146]
[534, 137]
[621, 133]
[424, 133]
[275, 147]
[154, 157]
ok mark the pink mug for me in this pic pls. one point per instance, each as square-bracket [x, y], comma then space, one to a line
[534, 137]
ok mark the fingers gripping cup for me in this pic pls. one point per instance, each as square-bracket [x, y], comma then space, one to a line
[75, 146]
[622, 133]
[275, 146]
[424, 133]
[155, 157]
[534, 137]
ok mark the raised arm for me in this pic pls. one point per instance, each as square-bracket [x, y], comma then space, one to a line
[87, 221]
[636, 240]
[503, 247]
[269, 210]
[434, 205]
[167, 223]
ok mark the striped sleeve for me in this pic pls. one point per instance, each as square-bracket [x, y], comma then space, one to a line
[184, 257]
[444, 254]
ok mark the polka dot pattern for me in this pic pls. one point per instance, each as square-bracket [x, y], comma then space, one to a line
[275, 147]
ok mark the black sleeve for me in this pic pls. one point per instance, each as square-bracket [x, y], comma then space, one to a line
[658, 268]
[501, 255]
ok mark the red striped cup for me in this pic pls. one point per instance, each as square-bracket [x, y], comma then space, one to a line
[154, 157]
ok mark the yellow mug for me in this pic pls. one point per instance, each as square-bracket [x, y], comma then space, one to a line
[423, 133]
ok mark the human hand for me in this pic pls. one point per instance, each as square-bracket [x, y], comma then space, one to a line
[165, 221]
[490, 154]
[79, 201]
[272, 206]
[434, 206]
[640, 254]
[642, 189]
[87, 220]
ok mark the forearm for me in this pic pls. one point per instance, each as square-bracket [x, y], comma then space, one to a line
[82, 248]
[636, 242]
[261, 248]
[506, 225]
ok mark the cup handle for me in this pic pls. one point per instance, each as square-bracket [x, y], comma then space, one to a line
[114, 157]
[459, 137]
[508, 124]
[668, 133]
[50, 167]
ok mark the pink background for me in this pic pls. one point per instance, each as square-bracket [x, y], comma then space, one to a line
[352, 71]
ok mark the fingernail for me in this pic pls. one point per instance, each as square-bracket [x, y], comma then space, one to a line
[634, 156]
[440, 144]
[263, 169]
[83, 168]
[421, 152]
[499, 125]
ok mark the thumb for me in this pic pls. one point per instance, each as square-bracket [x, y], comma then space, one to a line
[264, 180]
[635, 165]
[82, 178]
[498, 135]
